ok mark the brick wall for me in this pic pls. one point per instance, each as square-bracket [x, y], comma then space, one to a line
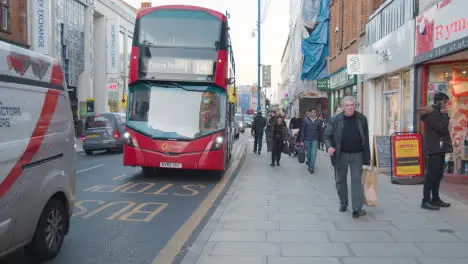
[345, 41]
[17, 27]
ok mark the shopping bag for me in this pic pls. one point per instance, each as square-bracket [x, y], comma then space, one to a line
[369, 180]
[285, 149]
[301, 154]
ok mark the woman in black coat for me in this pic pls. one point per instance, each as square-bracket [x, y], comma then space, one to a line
[279, 136]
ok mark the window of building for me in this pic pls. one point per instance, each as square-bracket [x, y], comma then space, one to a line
[388, 19]
[70, 33]
[5, 5]
[452, 79]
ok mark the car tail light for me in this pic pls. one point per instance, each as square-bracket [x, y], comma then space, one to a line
[133, 70]
[218, 143]
[116, 134]
[83, 136]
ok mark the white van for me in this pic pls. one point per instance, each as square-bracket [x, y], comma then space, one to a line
[37, 154]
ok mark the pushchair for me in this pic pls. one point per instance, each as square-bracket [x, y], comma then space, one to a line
[292, 142]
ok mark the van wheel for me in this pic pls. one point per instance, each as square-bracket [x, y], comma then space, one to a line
[89, 152]
[50, 232]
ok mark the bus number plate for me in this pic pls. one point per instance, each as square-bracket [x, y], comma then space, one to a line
[170, 165]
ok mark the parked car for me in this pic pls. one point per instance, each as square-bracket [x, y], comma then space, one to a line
[37, 154]
[103, 132]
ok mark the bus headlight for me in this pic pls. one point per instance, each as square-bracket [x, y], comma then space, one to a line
[127, 139]
[218, 143]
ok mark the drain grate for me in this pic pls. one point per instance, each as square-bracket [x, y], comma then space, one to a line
[445, 230]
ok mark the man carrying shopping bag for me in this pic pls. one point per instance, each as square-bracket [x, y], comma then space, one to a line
[347, 141]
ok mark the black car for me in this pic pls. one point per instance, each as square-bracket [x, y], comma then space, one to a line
[103, 132]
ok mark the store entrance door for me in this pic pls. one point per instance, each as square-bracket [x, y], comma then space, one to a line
[391, 113]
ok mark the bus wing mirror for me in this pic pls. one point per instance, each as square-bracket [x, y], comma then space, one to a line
[231, 80]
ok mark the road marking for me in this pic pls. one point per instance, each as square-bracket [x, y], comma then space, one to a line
[90, 168]
[175, 244]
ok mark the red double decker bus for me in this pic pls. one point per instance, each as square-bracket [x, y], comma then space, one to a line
[179, 115]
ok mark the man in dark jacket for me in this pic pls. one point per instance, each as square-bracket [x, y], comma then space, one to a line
[258, 126]
[347, 141]
[437, 143]
[310, 134]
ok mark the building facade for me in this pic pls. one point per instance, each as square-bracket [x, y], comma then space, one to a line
[114, 22]
[442, 66]
[84, 35]
[14, 22]
[347, 31]
[387, 85]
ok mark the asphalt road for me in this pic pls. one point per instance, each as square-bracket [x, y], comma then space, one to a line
[124, 217]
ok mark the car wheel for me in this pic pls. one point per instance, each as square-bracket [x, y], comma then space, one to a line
[50, 232]
[89, 152]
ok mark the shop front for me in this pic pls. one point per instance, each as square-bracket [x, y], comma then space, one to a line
[340, 84]
[388, 89]
[443, 59]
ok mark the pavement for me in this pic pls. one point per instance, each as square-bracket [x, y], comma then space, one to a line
[122, 216]
[285, 215]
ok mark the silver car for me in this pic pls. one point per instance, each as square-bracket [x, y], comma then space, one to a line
[104, 132]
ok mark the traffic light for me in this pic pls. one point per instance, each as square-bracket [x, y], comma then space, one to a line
[267, 103]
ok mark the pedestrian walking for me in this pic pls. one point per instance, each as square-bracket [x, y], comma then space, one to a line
[437, 142]
[310, 134]
[279, 137]
[258, 128]
[347, 141]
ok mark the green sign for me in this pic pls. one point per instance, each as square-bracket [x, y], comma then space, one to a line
[322, 84]
[341, 79]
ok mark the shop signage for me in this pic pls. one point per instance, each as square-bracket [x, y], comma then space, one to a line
[341, 79]
[112, 46]
[441, 30]
[407, 155]
[322, 84]
[41, 26]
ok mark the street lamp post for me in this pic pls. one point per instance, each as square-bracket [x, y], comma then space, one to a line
[259, 62]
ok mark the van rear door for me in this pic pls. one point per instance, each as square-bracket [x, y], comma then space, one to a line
[100, 128]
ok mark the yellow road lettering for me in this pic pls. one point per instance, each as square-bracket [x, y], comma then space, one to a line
[150, 214]
[192, 192]
[161, 190]
[82, 208]
[147, 186]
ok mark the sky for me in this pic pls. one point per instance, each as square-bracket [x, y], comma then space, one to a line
[242, 21]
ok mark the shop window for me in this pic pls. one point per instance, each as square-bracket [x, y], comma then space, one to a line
[394, 83]
[452, 79]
